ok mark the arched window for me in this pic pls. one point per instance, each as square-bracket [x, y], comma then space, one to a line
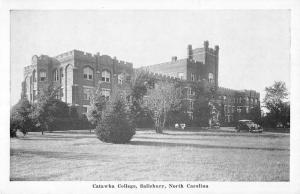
[43, 75]
[88, 73]
[105, 76]
[34, 76]
[55, 75]
[210, 78]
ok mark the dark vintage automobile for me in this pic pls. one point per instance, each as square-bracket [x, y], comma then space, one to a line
[248, 125]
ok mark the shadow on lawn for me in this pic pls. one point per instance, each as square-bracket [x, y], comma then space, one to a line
[169, 144]
[56, 155]
[231, 134]
[56, 137]
[175, 138]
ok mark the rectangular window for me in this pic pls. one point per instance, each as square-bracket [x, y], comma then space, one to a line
[120, 79]
[106, 93]
[189, 91]
[180, 75]
[190, 114]
[34, 94]
[85, 76]
[42, 76]
[90, 77]
[239, 109]
[84, 109]
[105, 76]
[87, 93]
[191, 105]
[85, 96]
[193, 77]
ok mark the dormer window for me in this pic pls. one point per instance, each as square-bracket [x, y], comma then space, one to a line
[88, 73]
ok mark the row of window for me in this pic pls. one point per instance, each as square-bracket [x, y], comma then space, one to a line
[87, 75]
[210, 77]
[239, 100]
[231, 109]
[87, 93]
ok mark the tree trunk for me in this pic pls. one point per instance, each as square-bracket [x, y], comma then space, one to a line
[158, 128]
[164, 121]
[165, 115]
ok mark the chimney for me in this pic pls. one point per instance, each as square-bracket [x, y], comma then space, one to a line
[217, 49]
[206, 44]
[190, 52]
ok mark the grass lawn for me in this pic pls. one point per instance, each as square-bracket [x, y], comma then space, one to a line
[174, 156]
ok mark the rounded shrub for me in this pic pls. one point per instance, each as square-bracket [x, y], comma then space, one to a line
[116, 125]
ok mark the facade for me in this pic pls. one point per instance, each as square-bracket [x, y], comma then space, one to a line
[79, 74]
[202, 65]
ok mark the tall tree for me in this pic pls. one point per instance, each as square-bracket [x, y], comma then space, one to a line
[98, 105]
[276, 101]
[140, 83]
[46, 108]
[20, 116]
[160, 100]
[275, 94]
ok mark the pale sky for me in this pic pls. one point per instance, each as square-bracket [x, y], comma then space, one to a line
[254, 44]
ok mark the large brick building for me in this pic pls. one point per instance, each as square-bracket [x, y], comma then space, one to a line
[79, 73]
[202, 65]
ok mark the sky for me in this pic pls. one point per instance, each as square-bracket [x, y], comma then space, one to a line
[254, 44]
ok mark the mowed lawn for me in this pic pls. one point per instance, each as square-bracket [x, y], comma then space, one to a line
[173, 156]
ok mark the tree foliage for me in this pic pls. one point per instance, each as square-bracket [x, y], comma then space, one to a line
[140, 84]
[48, 108]
[160, 100]
[98, 105]
[20, 117]
[116, 125]
[277, 104]
[206, 110]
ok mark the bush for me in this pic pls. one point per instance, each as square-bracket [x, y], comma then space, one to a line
[116, 126]
[20, 118]
[14, 125]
